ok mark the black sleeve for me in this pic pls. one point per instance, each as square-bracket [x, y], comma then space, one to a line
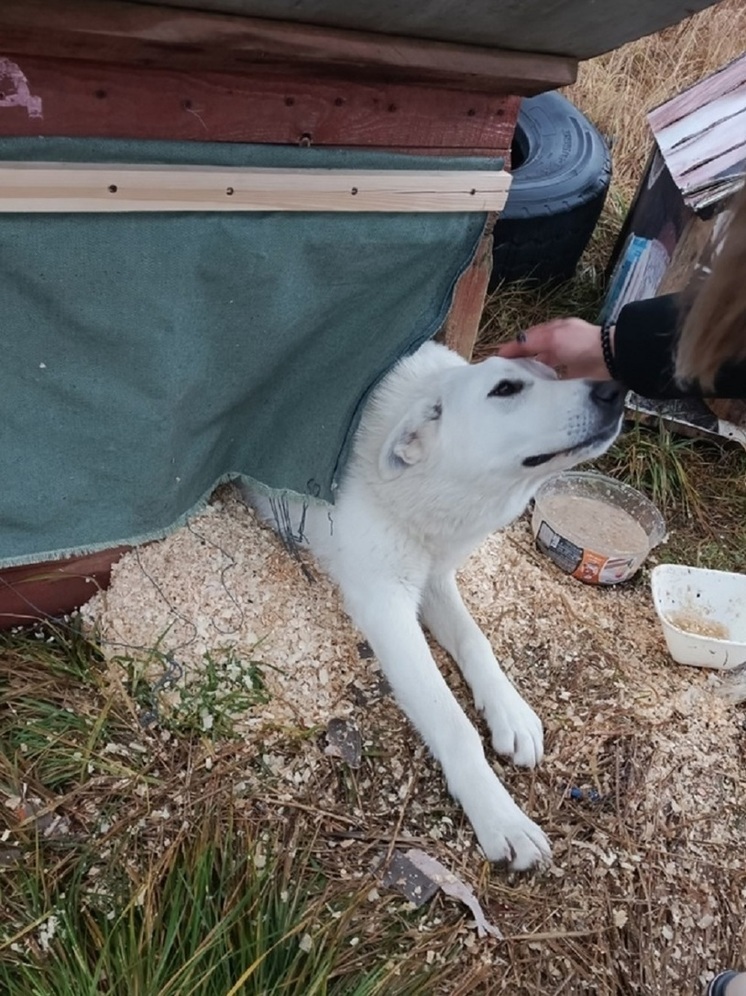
[645, 348]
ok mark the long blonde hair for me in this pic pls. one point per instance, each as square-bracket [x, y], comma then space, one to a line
[714, 330]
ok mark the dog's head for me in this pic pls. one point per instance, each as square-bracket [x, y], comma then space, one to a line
[511, 420]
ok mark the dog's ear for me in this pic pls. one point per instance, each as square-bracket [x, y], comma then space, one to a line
[408, 443]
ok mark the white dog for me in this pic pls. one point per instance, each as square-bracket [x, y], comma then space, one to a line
[446, 453]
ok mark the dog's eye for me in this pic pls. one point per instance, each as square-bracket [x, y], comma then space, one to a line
[506, 388]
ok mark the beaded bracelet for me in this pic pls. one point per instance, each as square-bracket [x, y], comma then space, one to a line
[606, 349]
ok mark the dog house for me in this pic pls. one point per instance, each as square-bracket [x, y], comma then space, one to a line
[220, 222]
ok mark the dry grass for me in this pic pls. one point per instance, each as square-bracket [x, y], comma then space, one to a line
[618, 89]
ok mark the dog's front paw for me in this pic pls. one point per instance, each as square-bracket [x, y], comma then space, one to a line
[517, 840]
[516, 729]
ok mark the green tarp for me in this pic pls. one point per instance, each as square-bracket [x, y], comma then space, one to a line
[146, 357]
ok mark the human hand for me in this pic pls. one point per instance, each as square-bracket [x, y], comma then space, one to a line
[570, 345]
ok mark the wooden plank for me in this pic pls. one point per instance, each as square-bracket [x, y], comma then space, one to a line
[708, 144]
[728, 80]
[37, 186]
[119, 31]
[581, 28]
[702, 134]
[462, 324]
[37, 591]
[74, 98]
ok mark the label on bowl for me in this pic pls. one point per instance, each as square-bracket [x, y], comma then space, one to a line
[585, 565]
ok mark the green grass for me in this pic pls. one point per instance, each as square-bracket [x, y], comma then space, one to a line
[222, 689]
[662, 464]
[56, 715]
[203, 920]
[699, 485]
[222, 896]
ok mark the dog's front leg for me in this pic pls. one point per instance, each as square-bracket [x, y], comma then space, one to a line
[387, 615]
[516, 729]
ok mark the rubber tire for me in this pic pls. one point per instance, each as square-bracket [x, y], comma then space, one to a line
[562, 171]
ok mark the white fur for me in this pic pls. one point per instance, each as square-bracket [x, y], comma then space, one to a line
[437, 465]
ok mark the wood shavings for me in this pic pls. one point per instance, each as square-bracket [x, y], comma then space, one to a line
[224, 585]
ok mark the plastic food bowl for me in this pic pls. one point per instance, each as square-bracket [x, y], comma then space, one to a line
[703, 614]
[595, 528]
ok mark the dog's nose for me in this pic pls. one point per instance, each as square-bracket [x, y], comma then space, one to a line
[607, 393]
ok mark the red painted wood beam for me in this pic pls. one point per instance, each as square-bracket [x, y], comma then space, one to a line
[37, 591]
[44, 96]
[118, 31]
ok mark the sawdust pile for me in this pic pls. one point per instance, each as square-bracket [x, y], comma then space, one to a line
[224, 587]
[641, 790]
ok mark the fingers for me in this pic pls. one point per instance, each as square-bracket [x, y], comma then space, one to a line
[513, 350]
[533, 341]
[571, 346]
[539, 339]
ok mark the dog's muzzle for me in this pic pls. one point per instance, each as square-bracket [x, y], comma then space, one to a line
[609, 396]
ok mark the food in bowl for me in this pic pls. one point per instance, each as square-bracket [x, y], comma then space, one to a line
[595, 528]
[691, 621]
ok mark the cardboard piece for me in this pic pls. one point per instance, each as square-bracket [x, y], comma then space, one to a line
[678, 218]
